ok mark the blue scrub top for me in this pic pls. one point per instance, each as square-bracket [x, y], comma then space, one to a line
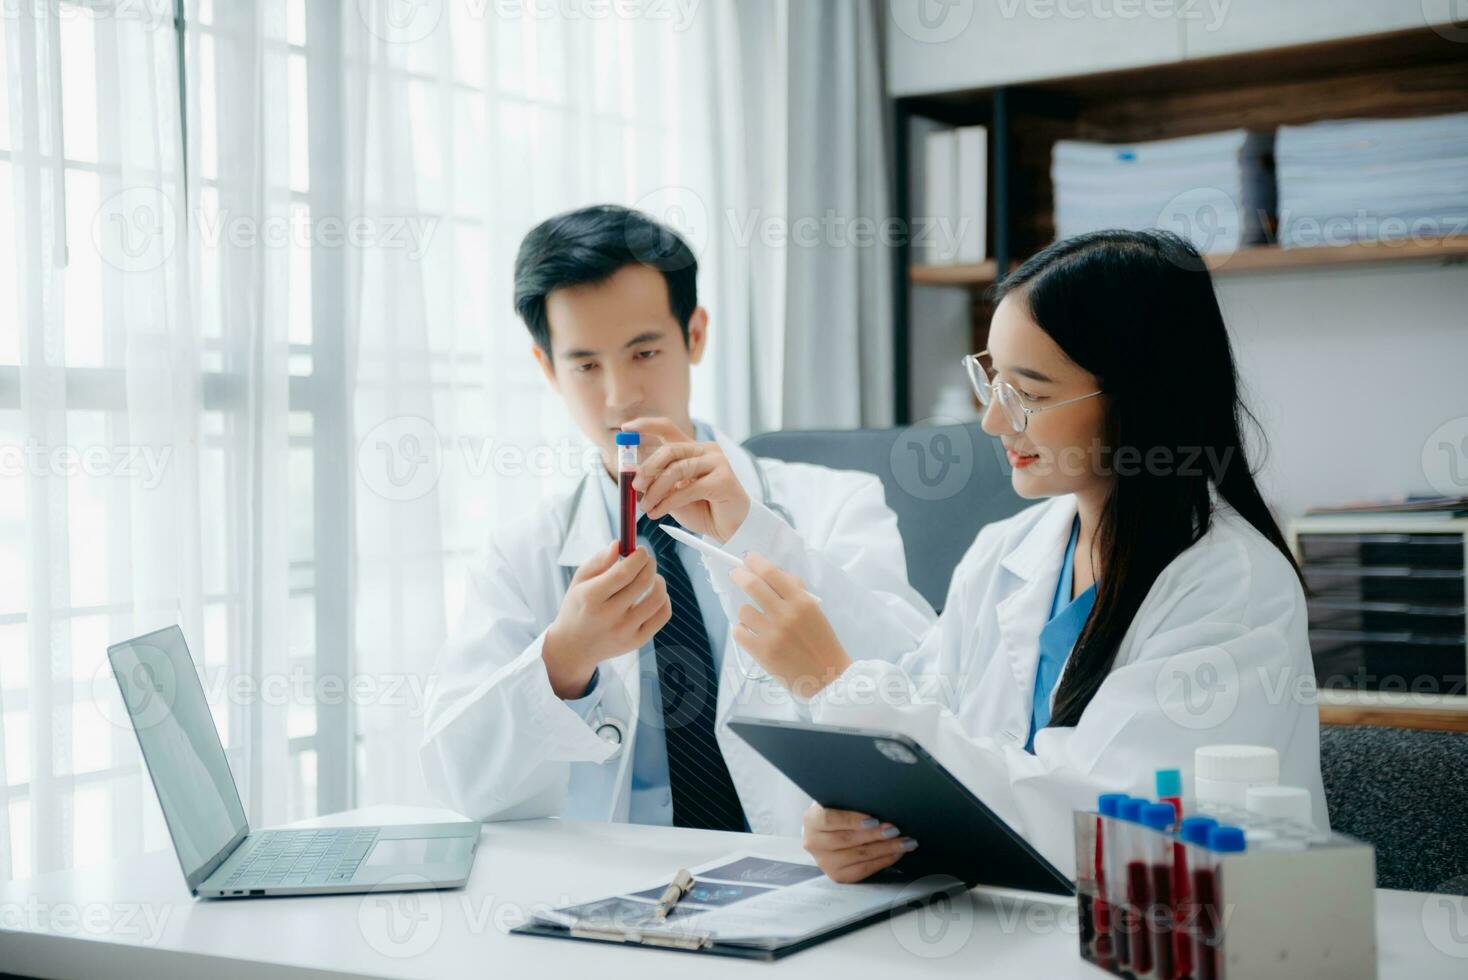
[1059, 635]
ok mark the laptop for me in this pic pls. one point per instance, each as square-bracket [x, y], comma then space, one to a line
[220, 856]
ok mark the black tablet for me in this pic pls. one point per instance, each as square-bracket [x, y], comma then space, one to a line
[893, 778]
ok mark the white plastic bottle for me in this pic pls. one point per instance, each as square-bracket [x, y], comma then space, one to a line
[1288, 803]
[1283, 816]
[1222, 775]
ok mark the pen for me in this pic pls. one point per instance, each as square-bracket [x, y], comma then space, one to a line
[677, 888]
[719, 555]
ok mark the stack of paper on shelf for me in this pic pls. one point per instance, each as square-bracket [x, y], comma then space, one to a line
[1214, 190]
[1362, 180]
[953, 223]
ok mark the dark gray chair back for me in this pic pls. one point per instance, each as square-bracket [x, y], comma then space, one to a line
[1405, 792]
[943, 482]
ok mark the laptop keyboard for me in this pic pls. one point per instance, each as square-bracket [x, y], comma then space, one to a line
[303, 857]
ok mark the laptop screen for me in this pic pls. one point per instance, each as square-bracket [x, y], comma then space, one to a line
[176, 733]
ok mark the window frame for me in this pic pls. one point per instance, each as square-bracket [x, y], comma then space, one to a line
[321, 394]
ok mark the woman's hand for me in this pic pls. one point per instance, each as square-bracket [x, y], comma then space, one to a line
[851, 846]
[786, 633]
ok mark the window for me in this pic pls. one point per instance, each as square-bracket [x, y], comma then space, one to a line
[62, 549]
[199, 362]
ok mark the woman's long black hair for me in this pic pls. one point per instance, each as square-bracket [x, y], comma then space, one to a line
[1138, 311]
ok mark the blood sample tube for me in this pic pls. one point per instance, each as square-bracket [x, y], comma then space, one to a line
[627, 443]
[1193, 851]
[1170, 790]
[1159, 818]
[1103, 945]
[1133, 882]
[1208, 891]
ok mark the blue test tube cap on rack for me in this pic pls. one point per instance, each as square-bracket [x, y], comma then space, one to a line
[1226, 839]
[1158, 816]
[1194, 830]
[1107, 803]
[1169, 783]
[1130, 809]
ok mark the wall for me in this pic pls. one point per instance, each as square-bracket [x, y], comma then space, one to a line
[1350, 371]
[940, 45]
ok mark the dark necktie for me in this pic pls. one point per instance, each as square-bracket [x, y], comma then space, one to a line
[703, 793]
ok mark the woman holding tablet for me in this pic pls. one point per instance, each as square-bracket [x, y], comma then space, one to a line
[1149, 605]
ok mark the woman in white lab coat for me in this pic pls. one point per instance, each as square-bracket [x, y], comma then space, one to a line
[1148, 606]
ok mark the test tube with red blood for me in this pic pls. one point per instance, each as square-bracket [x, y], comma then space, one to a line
[1103, 945]
[1208, 894]
[1117, 841]
[627, 443]
[1159, 818]
[1194, 834]
[1134, 949]
[1170, 790]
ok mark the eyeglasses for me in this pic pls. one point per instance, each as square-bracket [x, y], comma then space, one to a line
[1016, 412]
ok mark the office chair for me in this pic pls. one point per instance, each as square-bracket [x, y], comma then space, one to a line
[943, 482]
[1406, 792]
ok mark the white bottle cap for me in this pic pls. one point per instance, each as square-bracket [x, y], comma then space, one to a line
[1237, 764]
[1290, 803]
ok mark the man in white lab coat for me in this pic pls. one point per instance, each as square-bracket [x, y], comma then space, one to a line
[594, 686]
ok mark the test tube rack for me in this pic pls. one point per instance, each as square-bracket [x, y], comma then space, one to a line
[1297, 903]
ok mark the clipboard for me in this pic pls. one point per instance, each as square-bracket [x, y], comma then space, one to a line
[737, 951]
[886, 904]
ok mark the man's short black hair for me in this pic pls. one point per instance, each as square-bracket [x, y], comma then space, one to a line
[588, 245]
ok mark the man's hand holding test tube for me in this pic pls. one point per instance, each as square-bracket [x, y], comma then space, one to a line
[617, 602]
[784, 630]
[693, 481]
[612, 607]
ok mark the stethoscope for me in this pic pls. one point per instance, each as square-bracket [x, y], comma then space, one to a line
[613, 730]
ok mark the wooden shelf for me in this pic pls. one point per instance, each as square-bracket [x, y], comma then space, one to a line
[1256, 258]
[1401, 74]
[1423, 718]
[1432, 712]
[964, 274]
[1266, 257]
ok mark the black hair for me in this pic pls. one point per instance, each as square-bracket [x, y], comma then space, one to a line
[588, 245]
[1137, 310]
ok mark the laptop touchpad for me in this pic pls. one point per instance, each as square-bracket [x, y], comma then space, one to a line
[418, 850]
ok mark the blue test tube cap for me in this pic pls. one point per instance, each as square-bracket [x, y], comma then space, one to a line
[1107, 803]
[1194, 830]
[1130, 809]
[1158, 816]
[1169, 783]
[1226, 839]
[629, 438]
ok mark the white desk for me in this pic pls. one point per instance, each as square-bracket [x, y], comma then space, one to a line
[136, 919]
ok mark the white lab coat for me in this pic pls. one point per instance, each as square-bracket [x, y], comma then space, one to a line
[498, 742]
[1217, 653]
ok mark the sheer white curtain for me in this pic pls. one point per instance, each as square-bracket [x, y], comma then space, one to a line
[101, 397]
[470, 126]
[839, 288]
[259, 370]
[799, 198]
[251, 285]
